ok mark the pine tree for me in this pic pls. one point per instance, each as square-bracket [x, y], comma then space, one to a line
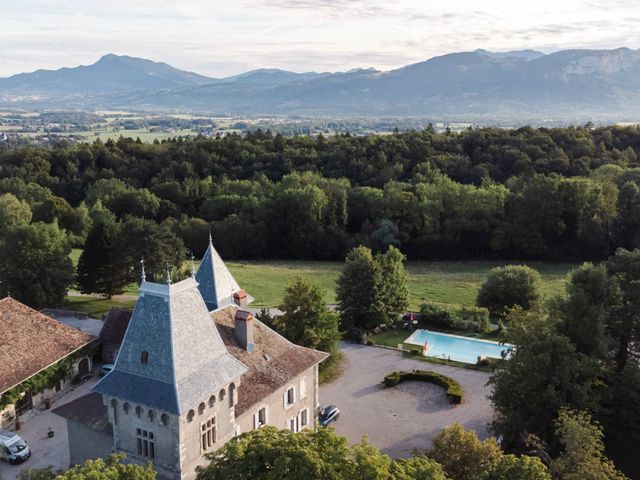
[358, 293]
[102, 267]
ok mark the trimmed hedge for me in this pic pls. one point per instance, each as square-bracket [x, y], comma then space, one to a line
[453, 388]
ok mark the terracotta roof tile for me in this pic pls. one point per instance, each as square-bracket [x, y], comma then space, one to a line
[273, 363]
[31, 341]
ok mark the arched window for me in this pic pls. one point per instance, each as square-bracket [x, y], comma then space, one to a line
[221, 395]
[164, 419]
[212, 401]
[125, 408]
[138, 411]
[201, 408]
[151, 415]
[232, 395]
[190, 415]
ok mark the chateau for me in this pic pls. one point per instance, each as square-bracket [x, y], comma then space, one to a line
[194, 370]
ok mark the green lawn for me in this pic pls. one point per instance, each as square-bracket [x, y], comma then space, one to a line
[452, 284]
[94, 306]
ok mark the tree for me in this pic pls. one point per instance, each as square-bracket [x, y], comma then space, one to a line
[417, 467]
[268, 453]
[35, 267]
[13, 212]
[506, 287]
[462, 455]
[394, 291]
[103, 267]
[624, 320]
[543, 374]
[583, 314]
[358, 293]
[510, 467]
[306, 320]
[583, 455]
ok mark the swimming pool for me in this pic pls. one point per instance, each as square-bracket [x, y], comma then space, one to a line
[457, 348]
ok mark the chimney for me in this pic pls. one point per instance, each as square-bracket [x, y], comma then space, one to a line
[240, 298]
[244, 329]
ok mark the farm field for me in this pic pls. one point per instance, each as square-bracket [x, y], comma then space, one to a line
[451, 284]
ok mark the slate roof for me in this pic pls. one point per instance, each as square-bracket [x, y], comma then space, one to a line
[187, 360]
[87, 410]
[274, 362]
[217, 285]
[115, 325]
[31, 342]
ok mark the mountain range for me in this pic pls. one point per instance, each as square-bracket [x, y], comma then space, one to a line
[566, 85]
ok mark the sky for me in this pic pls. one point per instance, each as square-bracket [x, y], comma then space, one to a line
[221, 38]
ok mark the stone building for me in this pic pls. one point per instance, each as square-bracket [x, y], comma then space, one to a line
[194, 370]
[32, 344]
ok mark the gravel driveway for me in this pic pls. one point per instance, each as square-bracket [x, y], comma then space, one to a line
[406, 417]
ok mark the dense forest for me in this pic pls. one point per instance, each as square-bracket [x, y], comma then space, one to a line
[562, 193]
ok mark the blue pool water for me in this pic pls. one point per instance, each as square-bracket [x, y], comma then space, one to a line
[461, 349]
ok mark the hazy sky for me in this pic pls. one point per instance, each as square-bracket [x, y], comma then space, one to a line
[221, 38]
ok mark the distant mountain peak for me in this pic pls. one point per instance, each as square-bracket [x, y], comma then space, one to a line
[527, 54]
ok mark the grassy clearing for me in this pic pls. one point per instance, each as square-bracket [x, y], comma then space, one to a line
[93, 305]
[453, 284]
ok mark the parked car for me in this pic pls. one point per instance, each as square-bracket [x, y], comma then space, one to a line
[13, 448]
[106, 368]
[328, 415]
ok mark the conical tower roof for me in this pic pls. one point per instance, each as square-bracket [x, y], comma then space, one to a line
[172, 356]
[217, 285]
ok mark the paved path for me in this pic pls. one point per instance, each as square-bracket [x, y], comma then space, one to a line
[406, 417]
[46, 451]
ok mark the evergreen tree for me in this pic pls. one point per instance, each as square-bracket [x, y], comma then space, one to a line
[358, 293]
[394, 289]
[103, 266]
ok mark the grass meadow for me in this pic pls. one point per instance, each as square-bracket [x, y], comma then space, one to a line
[450, 284]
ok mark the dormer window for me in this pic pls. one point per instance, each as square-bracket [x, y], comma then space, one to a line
[144, 357]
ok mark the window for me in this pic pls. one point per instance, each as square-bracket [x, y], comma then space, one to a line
[293, 424]
[304, 417]
[190, 415]
[221, 395]
[151, 415]
[261, 417]
[138, 411]
[289, 397]
[144, 357]
[232, 395]
[303, 387]
[212, 401]
[164, 419]
[146, 442]
[125, 408]
[208, 431]
[201, 408]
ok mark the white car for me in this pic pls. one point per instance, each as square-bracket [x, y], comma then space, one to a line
[13, 448]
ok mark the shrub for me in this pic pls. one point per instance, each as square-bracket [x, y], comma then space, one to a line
[436, 315]
[452, 387]
[509, 286]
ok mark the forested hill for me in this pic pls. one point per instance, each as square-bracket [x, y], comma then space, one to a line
[569, 193]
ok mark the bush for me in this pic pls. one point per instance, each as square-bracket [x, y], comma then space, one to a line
[436, 315]
[452, 387]
[510, 286]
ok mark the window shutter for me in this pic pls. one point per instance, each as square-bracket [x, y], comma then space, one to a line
[255, 420]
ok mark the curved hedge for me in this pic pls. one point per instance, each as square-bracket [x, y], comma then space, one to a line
[453, 388]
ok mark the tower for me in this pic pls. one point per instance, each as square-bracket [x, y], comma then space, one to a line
[216, 283]
[172, 392]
